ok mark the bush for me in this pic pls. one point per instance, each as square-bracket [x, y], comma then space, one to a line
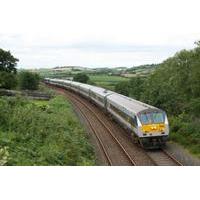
[41, 133]
[81, 77]
[28, 80]
[185, 131]
[122, 88]
[8, 80]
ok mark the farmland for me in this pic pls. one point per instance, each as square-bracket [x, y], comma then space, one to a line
[107, 81]
[103, 77]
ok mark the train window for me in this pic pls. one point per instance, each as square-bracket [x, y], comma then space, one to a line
[96, 97]
[119, 112]
[158, 117]
[149, 118]
[100, 99]
[145, 118]
[134, 121]
[93, 95]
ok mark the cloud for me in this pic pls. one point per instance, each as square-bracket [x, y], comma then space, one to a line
[37, 51]
[22, 45]
[115, 47]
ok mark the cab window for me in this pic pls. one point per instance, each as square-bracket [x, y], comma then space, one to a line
[152, 118]
[158, 117]
[145, 118]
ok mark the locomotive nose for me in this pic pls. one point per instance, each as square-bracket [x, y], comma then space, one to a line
[153, 128]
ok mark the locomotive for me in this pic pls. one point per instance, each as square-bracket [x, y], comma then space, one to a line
[147, 124]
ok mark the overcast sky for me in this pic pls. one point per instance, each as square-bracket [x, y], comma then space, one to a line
[97, 33]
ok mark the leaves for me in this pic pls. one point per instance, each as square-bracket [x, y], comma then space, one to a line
[174, 87]
[28, 80]
[4, 156]
[81, 77]
[36, 136]
[7, 62]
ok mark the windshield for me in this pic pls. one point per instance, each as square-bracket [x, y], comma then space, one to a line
[152, 118]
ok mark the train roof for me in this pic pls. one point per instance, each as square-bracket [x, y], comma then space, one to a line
[98, 90]
[101, 91]
[58, 80]
[130, 104]
[83, 85]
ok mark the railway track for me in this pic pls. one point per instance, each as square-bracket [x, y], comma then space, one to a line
[163, 158]
[114, 152]
[109, 161]
[107, 153]
[115, 146]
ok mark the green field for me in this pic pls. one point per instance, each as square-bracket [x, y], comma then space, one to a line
[107, 81]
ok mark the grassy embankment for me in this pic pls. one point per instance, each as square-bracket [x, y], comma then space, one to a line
[41, 133]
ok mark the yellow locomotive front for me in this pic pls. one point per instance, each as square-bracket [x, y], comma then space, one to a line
[154, 129]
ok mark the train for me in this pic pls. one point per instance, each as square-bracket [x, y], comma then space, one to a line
[147, 124]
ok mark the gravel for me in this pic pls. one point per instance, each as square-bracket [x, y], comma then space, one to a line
[182, 154]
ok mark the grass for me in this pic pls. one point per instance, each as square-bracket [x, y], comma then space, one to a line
[185, 131]
[42, 133]
[107, 81]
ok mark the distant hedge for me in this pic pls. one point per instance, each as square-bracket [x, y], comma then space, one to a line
[81, 77]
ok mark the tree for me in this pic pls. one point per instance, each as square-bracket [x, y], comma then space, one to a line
[122, 88]
[81, 77]
[7, 70]
[28, 80]
[8, 62]
[136, 87]
[7, 80]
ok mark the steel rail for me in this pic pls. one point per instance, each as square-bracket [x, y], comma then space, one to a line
[96, 135]
[172, 158]
[133, 162]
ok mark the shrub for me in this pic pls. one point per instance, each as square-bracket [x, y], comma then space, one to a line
[28, 80]
[7, 80]
[42, 135]
[122, 88]
[81, 77]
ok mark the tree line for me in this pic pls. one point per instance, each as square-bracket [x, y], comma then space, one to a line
[174, 87]
[10, 79]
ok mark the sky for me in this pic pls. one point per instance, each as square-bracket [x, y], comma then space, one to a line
[97, 33]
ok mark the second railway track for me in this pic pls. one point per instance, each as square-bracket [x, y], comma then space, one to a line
[162, 158]
[108, 142]
[116, 147]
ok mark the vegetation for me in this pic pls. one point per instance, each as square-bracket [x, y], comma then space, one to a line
[81, 77]
[142, 69]
[107, 81]
[28, 80]
[7, 62]
[174, 87]
[8, 70]
[36, 133]
[8, 80]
